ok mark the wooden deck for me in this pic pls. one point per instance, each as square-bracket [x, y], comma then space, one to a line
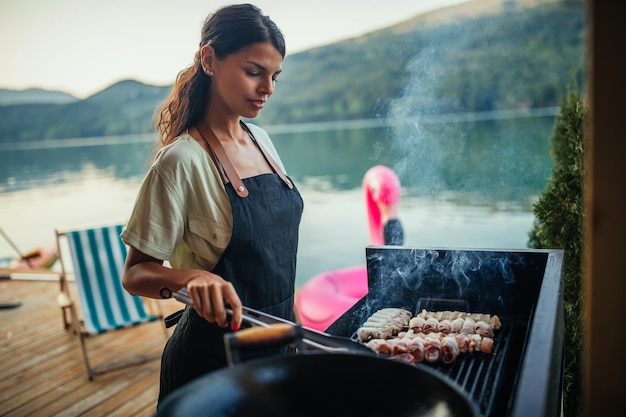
[42, 372]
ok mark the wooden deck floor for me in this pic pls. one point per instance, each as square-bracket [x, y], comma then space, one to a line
[42, 372]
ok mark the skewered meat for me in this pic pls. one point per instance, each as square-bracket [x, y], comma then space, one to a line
[409, 334]
[478, 343]
[456, 325]
[483, 328]
[367, 333]
[416, 348]
[486, 345]
[449, 349]
[404, 357]
[400, 346]
[495, 322]
[432, 348]
[462, 341]
[469, 326]
[429, 336]
[448, 315]
[384, 324]
[417, 324]
[474, 342]
[443, 326]
[430, 326]
[382, 346]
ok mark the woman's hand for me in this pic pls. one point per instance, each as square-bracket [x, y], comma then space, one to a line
[145, 276]
[210, 293]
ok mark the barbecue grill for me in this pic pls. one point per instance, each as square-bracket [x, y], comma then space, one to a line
[523, 374]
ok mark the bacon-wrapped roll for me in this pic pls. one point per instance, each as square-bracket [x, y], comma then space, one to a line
[416, 348]
[443, 326]
[384, 323]
[483, 328]
[449, 349]
[449, 315]
[399, 346]
[404, 357]
[430, 326]
[495, 322]
[474, 342]
[381, 346]
[486, 345]
[462, 341]
[417, 324]
[469, 326]
[367, 333]
[456, 325]
[432, 348]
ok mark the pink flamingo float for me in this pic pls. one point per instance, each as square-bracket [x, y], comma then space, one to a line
[326, 296]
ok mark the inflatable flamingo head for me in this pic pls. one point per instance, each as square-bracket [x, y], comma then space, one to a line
[382, 193]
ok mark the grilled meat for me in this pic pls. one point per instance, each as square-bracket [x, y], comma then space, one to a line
[428, 336]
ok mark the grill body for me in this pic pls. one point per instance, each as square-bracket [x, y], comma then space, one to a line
[523, 374]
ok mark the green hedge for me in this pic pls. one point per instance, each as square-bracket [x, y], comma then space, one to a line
[558, 225]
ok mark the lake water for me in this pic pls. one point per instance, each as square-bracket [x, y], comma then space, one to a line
[465, 184]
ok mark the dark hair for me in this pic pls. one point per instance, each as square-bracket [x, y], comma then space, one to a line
[228, 30]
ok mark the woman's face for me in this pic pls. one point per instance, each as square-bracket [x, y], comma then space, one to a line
[242, 82]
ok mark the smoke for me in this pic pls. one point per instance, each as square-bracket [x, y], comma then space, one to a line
[424, 145]
[440, 279]
[440, 143]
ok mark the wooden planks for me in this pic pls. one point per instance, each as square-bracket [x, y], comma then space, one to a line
[42, 372]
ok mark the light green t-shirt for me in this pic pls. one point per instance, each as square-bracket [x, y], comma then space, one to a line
[182, 213]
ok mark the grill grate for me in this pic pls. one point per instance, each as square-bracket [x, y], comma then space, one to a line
[484, 376]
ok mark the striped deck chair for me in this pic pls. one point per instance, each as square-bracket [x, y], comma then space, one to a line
[98, 257]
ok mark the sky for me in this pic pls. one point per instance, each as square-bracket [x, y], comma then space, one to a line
[84, 46]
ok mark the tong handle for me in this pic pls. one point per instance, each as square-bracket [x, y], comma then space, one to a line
[272, 336]
[275, 335]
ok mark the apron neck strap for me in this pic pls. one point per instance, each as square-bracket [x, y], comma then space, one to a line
[269, 158]
[214, 144]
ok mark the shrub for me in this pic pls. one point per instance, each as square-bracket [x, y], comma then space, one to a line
[558, 225]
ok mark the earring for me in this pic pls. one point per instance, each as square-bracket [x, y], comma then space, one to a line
[209, 72]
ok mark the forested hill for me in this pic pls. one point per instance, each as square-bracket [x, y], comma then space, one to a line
[516, 58]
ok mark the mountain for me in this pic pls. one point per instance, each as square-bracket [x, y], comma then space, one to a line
[482, 55]
[123, 108]
[10, 97]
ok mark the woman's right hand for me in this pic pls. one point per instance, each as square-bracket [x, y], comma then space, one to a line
[210, 294]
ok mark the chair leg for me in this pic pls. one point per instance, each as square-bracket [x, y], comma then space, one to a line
[83, 348]
[93, 371]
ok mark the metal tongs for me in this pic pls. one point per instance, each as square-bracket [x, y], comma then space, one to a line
[313, 339]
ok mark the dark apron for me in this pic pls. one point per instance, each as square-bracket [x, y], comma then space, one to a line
[260, 261]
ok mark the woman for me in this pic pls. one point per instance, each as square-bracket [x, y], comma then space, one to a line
[216, 202]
